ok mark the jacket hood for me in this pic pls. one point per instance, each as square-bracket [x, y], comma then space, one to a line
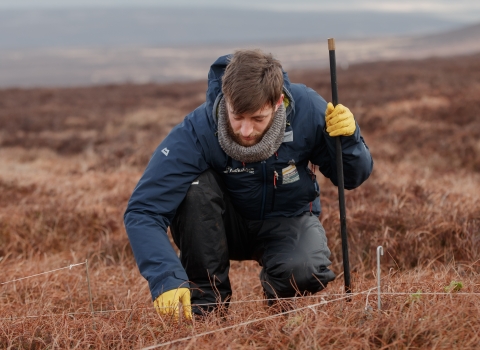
[214, 90]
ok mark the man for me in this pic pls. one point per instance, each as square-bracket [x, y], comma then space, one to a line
[232, 181]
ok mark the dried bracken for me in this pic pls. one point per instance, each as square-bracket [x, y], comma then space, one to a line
[69, 160]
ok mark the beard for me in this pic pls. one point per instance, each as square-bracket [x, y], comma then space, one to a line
[257, 137]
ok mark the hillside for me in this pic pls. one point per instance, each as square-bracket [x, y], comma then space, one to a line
[85, 64]
[70, 158]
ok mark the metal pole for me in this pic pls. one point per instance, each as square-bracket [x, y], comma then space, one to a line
[89, 289]
[379, 252]
[341, 189]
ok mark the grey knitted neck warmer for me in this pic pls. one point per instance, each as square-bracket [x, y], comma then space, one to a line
[267, 146]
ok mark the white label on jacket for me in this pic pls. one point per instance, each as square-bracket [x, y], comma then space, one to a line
[290, 174]
[165, 151]
[288, 136]
[230, 170]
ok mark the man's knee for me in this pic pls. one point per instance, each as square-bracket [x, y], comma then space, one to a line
[207, 183]
[204, 198]
[202, 206]
[296, 275]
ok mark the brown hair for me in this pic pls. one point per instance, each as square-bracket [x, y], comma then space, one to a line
[252, 80]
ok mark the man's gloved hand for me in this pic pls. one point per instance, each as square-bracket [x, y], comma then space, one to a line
[167, 303]
[340, 121]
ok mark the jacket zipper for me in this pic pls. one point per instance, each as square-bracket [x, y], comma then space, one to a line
[264, 188]
[275, 179]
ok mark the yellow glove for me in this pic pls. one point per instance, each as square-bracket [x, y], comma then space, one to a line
[167, 303]
[340, 121]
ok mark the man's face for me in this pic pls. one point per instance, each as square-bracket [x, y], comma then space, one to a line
[248, 129]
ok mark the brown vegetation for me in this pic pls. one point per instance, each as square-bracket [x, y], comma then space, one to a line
[69, 160]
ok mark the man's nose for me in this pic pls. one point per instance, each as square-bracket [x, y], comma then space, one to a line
[247, 128]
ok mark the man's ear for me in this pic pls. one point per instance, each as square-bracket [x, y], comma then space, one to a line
[279, 102]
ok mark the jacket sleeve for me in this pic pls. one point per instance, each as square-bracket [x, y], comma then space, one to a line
[357, 160]
[174, 165]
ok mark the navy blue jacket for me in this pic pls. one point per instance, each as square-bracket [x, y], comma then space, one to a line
[192, 147]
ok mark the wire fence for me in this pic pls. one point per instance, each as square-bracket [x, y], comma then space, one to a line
[246, 323]
[263, 300]
[337, 297]
[323, 296]
[56, 270]
[44, 273]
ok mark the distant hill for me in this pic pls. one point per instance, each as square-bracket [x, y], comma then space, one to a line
[462, 39]
[126, 27]
[92, 65]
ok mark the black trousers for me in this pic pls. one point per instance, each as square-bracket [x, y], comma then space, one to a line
[209, 233]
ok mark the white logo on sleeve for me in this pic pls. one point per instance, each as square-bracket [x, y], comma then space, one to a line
[165, 151]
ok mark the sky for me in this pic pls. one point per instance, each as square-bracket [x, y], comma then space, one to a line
[460, 10]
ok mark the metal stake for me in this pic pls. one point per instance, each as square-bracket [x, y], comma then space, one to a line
[89, 289]
[379, 252]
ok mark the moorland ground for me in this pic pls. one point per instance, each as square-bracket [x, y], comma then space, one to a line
[70, 158]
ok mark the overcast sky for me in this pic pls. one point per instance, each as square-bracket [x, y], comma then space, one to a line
[466, 10]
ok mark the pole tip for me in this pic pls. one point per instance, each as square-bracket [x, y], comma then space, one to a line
[331, 44]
